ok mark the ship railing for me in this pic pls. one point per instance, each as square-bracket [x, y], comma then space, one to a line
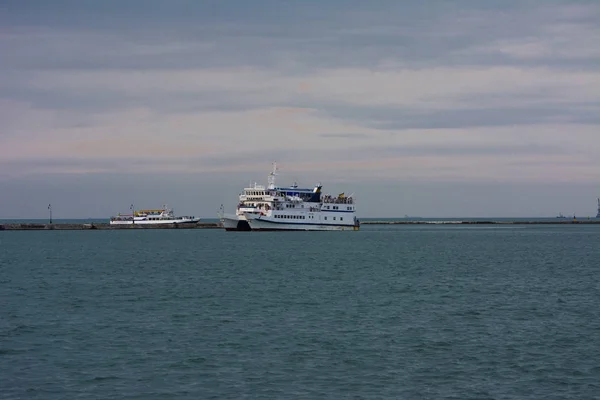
[338, 200]
[121, 218]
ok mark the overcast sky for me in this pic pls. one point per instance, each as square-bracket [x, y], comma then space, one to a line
[449, 108]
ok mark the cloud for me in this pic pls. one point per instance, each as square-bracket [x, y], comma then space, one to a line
[349, 135]
[540, 154]
[450, 90]
[520, 94]
[293, 36]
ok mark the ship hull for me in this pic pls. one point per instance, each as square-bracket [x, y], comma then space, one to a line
[158, 222]
[260, 224]
[235, 223]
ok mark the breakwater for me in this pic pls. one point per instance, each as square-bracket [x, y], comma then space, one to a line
[102, 226]
[481, 222]
[216, 225]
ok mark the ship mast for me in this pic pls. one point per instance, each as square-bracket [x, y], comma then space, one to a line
[271, 178]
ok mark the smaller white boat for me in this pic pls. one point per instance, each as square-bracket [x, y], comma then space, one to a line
[163, 215]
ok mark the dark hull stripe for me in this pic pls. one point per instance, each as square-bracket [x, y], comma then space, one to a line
[242, 226]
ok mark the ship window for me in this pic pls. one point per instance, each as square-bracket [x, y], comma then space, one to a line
[334, 218]
[341, 218]
[325, 217]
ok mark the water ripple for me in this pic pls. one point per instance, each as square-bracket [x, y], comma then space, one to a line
[386, 312]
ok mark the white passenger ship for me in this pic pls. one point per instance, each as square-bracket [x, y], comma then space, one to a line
[149, 217]
[290, 209]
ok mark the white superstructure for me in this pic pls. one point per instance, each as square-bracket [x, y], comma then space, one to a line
[291, 208]
[253, 200]
[154, 216]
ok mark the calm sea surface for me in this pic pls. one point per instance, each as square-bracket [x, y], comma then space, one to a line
[402, 312]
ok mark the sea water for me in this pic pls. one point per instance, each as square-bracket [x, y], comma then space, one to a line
[402, 312]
